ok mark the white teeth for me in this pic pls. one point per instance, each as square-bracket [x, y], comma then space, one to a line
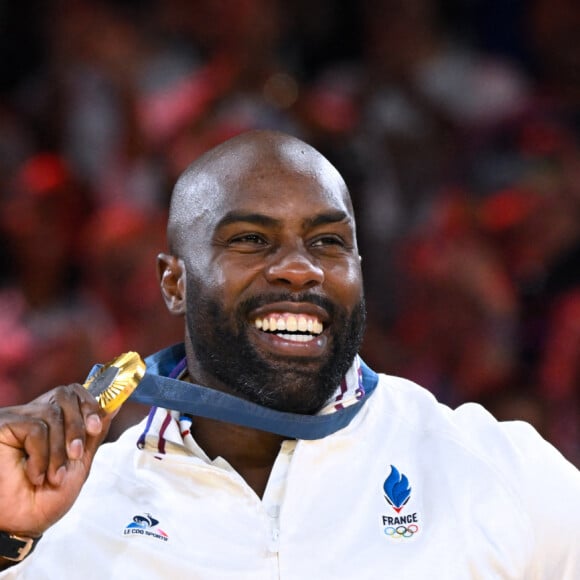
[289, 323]
[297, 337]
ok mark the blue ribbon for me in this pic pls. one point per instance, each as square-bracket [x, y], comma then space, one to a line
[170, 393]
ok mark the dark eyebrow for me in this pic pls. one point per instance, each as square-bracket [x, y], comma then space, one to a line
[267, 221]
[260, 219]
[327, 218]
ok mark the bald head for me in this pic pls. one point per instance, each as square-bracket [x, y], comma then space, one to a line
[205, 186]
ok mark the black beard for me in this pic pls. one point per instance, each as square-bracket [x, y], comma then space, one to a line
[294, 385]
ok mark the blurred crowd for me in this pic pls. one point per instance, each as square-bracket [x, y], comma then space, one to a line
[455, 123]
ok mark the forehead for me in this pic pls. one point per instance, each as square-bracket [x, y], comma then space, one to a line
[273, 186]
[285, 180]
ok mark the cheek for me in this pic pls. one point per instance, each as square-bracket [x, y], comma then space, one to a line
[346, 284]
[222, 281]
[233, 277]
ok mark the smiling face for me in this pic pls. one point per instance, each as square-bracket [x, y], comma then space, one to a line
[269, 272]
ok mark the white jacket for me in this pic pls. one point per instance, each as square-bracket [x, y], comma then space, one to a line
[409, 490]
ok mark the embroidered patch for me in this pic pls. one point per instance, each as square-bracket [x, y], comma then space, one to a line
[145, 525]
[397, 493]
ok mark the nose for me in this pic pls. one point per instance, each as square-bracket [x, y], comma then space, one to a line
[295, 269]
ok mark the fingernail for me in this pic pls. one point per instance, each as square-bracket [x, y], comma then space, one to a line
[59, 475]
[75, 449]
[93, 424]
[39, 480]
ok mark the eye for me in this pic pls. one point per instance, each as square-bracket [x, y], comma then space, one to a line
[248, 239]
[328, 240]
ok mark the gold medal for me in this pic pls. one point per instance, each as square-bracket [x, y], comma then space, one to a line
[114, 382]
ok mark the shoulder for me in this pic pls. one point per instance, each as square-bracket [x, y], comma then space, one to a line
[542, 484]
[508, 446]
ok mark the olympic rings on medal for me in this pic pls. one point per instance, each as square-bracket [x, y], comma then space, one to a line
[402, 531]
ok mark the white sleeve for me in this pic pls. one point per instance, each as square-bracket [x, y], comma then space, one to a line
[549, 488]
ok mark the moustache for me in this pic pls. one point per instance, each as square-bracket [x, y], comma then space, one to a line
[264, 299]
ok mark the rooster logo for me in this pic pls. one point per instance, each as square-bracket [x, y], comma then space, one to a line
[146, 522]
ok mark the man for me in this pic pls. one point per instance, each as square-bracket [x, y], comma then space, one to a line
[307, 464]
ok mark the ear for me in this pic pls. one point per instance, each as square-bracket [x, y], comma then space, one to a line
[171, 273]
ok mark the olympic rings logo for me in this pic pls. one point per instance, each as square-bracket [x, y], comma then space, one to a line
[402, 531]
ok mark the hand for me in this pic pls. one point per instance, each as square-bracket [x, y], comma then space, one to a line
[46, 450]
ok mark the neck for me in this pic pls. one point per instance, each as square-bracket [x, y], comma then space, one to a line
[250, 452]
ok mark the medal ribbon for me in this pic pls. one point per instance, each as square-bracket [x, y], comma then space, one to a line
[189, 398]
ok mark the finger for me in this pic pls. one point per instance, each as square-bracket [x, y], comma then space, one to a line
[53, 416]
[28, 437]
[71, 423]
[82, 418]
[36, 449]
[92, 412]
[60, 411]
[96, 420]
[83, 439]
